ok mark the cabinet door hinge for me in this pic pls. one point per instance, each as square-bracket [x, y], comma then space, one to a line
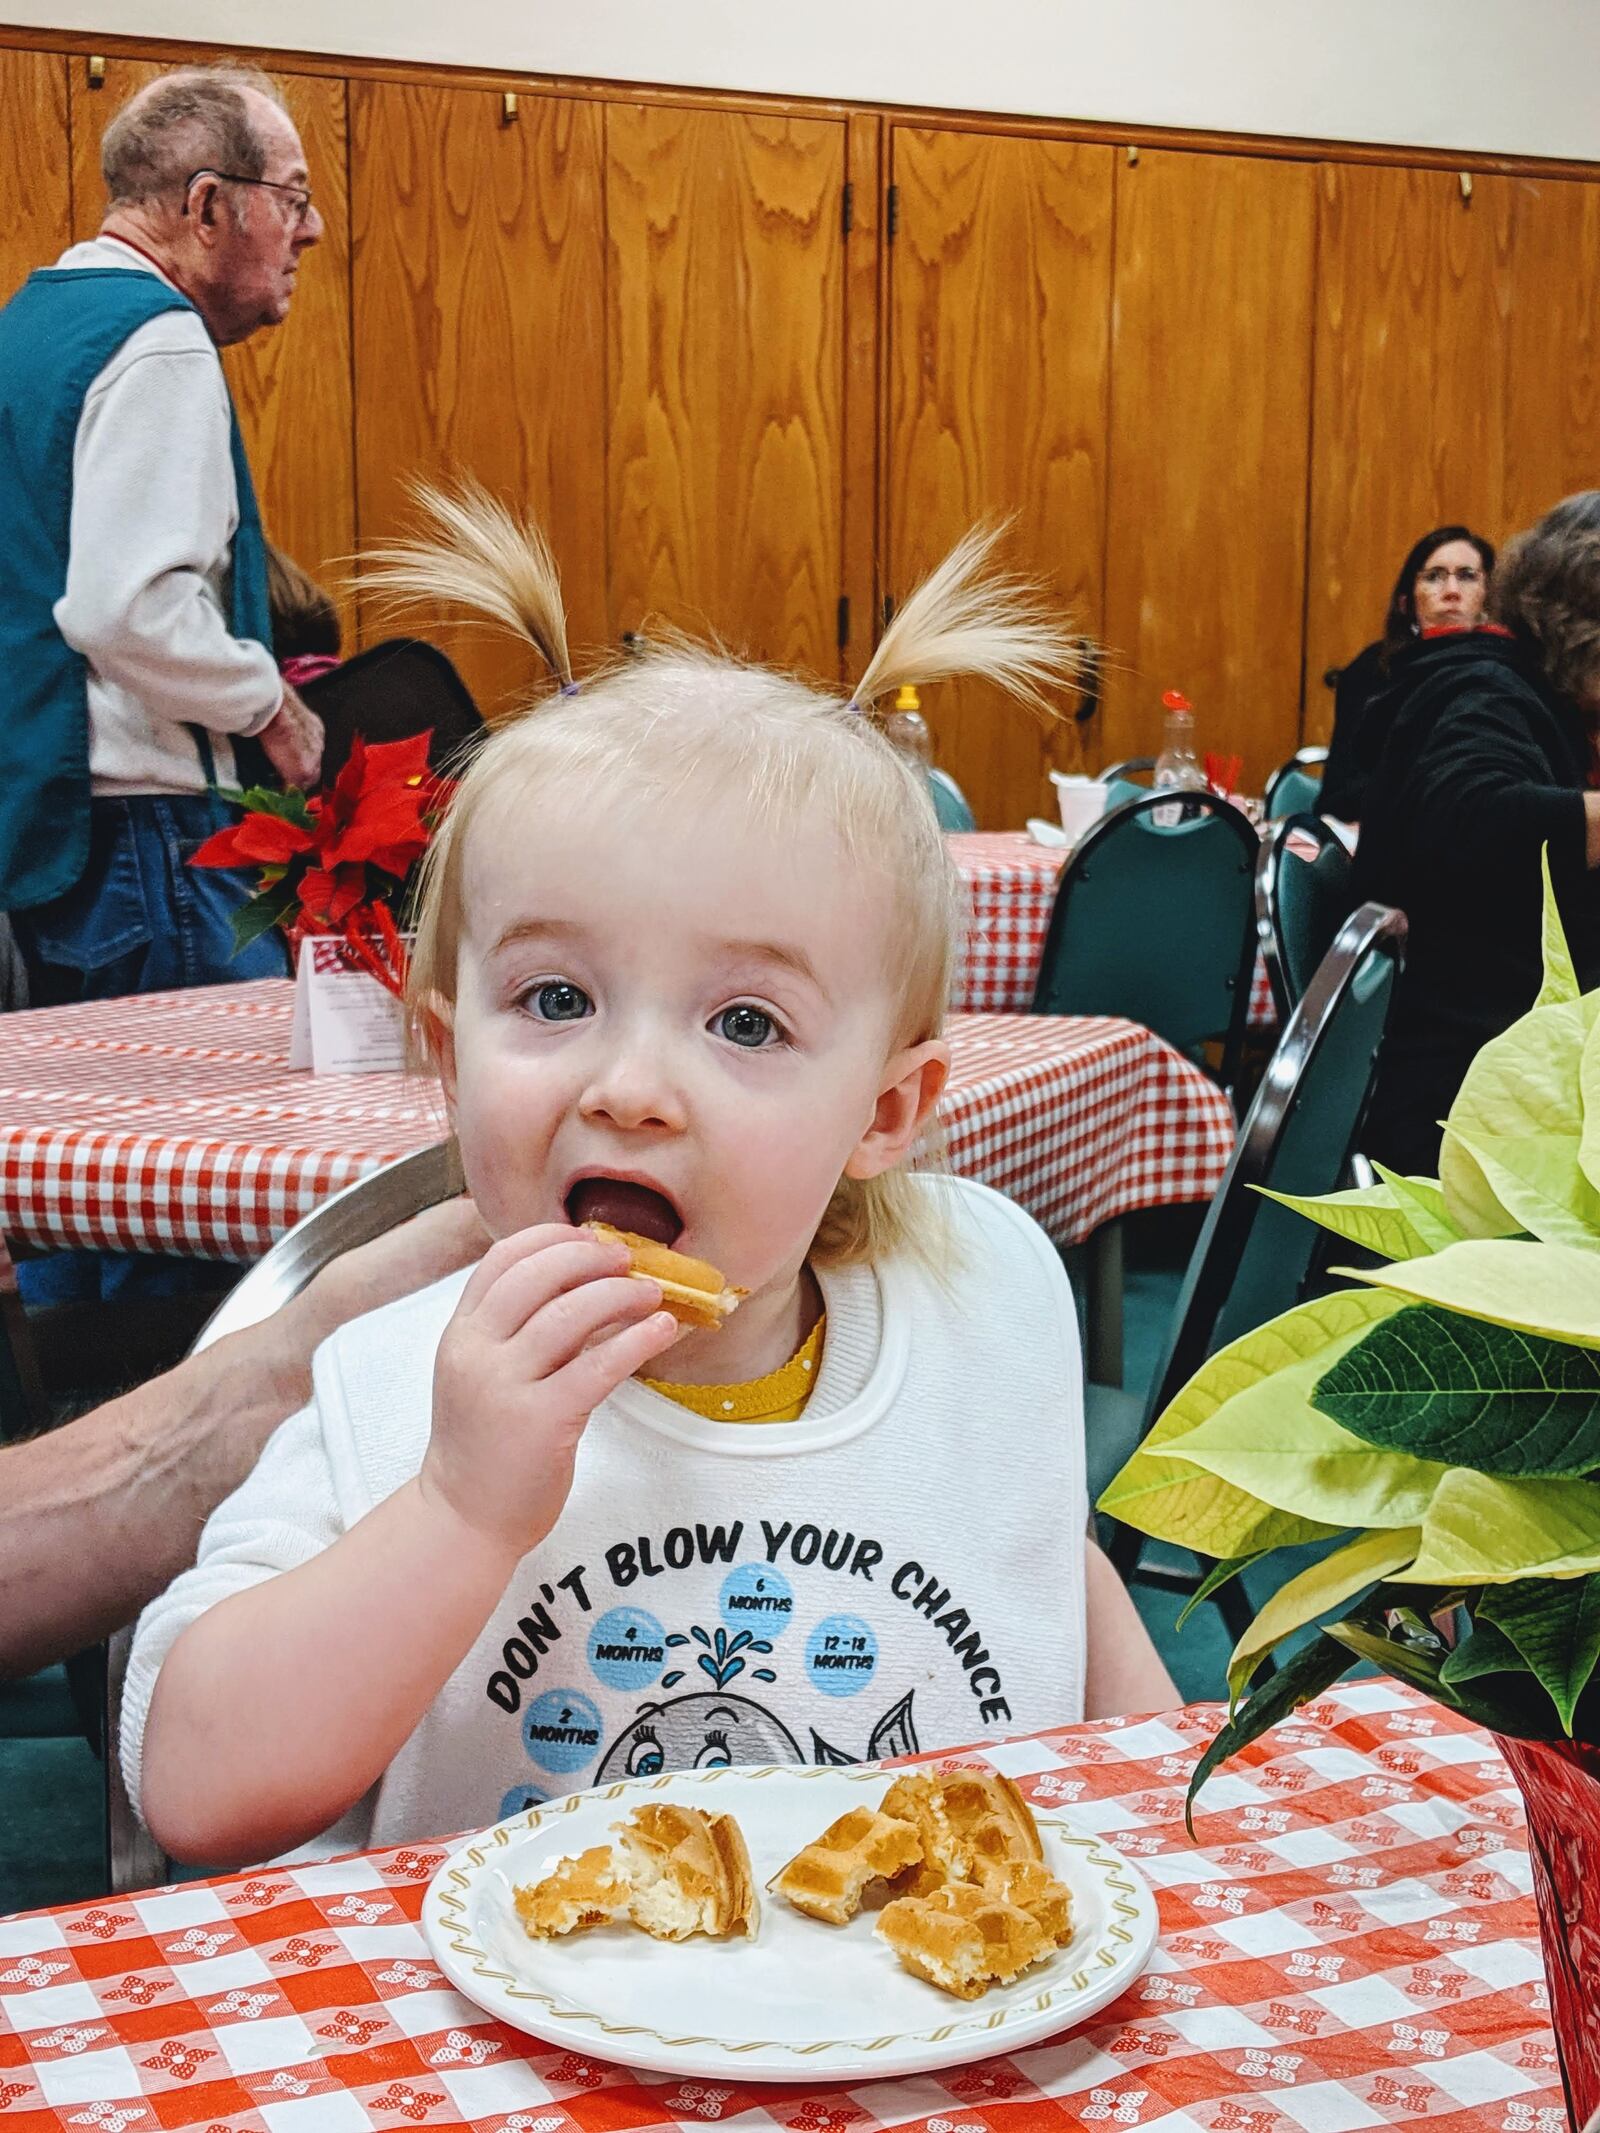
[844, 620]
[847, 213]
[892, 213]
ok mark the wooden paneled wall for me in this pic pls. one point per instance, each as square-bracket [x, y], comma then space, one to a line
[755, 364]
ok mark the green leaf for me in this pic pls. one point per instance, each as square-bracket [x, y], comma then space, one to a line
[1510, 1155]
[1216, 1577]
[1589, 1092]
[1443, 1386]
[288, 806]
[1538, 1288]
[1555, 1624]
[1368, 1216]
[1480, 1531]
[1537, 1179]
[1297, 1460]
[1317, 1591]
[1560, 979]
[1312, 1669]
[1486, 1651]
[1162, 1493]
[1511, 1703]
[1422, 1202]
[261, 914]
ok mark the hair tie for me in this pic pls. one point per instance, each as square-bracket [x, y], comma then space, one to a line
[855, 709]
[569, 688]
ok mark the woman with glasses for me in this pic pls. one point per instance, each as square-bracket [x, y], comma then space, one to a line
[1442, 584]
[1488, 761]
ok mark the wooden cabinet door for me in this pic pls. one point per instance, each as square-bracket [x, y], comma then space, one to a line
[291, 384]
[1210, 440]
[1553, 362]
[479, 336]
[726, 353]
[35, 179]
[1414, 297]
[998, 321]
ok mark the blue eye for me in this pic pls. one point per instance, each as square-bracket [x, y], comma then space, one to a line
[752, 1028]
[714, 1755]
[645, 1757]
[559, 1000]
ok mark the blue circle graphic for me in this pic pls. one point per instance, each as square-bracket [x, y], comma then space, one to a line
[627, 1648]
[561, 1731]
[841, 1655]
[757, 1598]
[519, 1799]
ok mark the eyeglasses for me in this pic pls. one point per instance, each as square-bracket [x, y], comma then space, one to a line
[298, 196]
[1437, 574]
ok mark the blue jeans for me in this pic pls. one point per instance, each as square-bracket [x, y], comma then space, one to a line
[139, 919]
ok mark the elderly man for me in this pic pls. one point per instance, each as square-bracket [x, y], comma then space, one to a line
[134, 629]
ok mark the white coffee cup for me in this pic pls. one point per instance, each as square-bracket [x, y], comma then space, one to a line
[1082, 802]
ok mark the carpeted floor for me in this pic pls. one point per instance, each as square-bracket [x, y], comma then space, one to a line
[50, 1789]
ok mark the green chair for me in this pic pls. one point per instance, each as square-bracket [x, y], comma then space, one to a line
[1255, 1259]
[950, 803]
[1127, 779]
[1302, 898]
[1295, 787]
[1157, 925]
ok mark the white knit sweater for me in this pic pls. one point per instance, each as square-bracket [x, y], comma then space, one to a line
[154, 510]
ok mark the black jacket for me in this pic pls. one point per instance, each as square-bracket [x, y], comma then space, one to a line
[1482, 765]
[1357, 738]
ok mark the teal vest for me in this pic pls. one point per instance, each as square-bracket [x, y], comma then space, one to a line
[56, 336]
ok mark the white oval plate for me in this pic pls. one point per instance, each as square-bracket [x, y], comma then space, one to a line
[801, 1997]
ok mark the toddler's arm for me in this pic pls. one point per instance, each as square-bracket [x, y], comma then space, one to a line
[1125, 1671]
[276, 1710]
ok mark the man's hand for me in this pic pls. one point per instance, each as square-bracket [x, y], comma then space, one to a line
[401, 1261]
[548, 1326]
[293, 741]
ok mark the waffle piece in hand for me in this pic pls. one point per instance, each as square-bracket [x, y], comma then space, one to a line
[691, 1289]
[827, 1878]
[687, 1872]
[585, 1891]
[963, 1817]
[963, 1939]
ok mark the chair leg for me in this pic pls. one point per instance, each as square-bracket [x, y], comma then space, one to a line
[1105, 1304]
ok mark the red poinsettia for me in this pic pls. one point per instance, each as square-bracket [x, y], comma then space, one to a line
[341, 860]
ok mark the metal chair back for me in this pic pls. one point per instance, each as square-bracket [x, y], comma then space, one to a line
[1302, 898]
[1156, 923]
[1253, 1257]
[1295, 787]
[362, 1211]
[950, 803]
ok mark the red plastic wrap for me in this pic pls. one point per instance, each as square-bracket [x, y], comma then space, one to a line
[1560, 1786]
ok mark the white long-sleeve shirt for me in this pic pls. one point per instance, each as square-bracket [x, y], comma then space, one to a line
[154, 512]
[902, 1567]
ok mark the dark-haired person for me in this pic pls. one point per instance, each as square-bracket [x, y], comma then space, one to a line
[1489, 759]
[1442, 584]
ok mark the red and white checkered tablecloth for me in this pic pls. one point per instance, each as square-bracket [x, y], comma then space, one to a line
[171, 1122]
[1012, 883]
[1352, 1943]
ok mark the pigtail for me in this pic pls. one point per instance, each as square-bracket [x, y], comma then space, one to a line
[965, 620]
[474, 552]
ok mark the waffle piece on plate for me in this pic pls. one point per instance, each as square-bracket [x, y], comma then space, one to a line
[674, 1871]
[1034, 1889]
[827, 1878]
[584, 1891]
[963, 1817]
[962, 1938]
[687, 1872]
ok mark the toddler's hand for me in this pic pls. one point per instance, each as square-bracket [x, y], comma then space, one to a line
[549, 1324]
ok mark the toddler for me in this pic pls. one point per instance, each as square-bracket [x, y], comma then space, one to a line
[684, 947]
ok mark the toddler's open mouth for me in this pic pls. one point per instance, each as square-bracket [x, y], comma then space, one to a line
[625, 1204]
